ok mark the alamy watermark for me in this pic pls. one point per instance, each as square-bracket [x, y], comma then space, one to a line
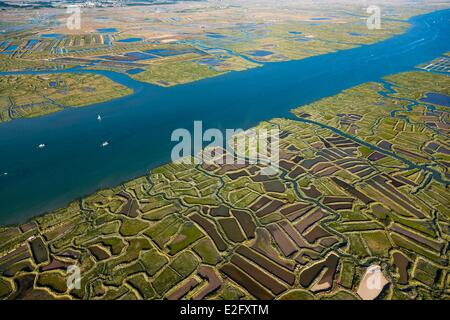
[374, 20]
[73, 21]
[375, 278]
[74, 277]
[235, 147]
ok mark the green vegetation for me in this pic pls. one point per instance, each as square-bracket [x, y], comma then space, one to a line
[207, 251]
[172, 73]
[36, 95]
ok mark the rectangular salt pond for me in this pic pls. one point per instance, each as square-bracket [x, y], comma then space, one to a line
[437, 98]
[135, 71]
[107, 30]
[127, 40]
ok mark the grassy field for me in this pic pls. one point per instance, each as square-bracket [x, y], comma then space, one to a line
[25, 96]
[173, 73]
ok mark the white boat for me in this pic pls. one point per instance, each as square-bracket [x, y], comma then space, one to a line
[42, 145]
[105, 144]
[5, 174]
[99, 118]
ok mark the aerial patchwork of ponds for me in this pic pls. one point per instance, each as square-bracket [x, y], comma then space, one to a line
[57, 43]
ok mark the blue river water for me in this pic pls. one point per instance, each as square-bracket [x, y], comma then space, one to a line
[139, 126]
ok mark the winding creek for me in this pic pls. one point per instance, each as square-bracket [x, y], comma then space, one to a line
[139, 126]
